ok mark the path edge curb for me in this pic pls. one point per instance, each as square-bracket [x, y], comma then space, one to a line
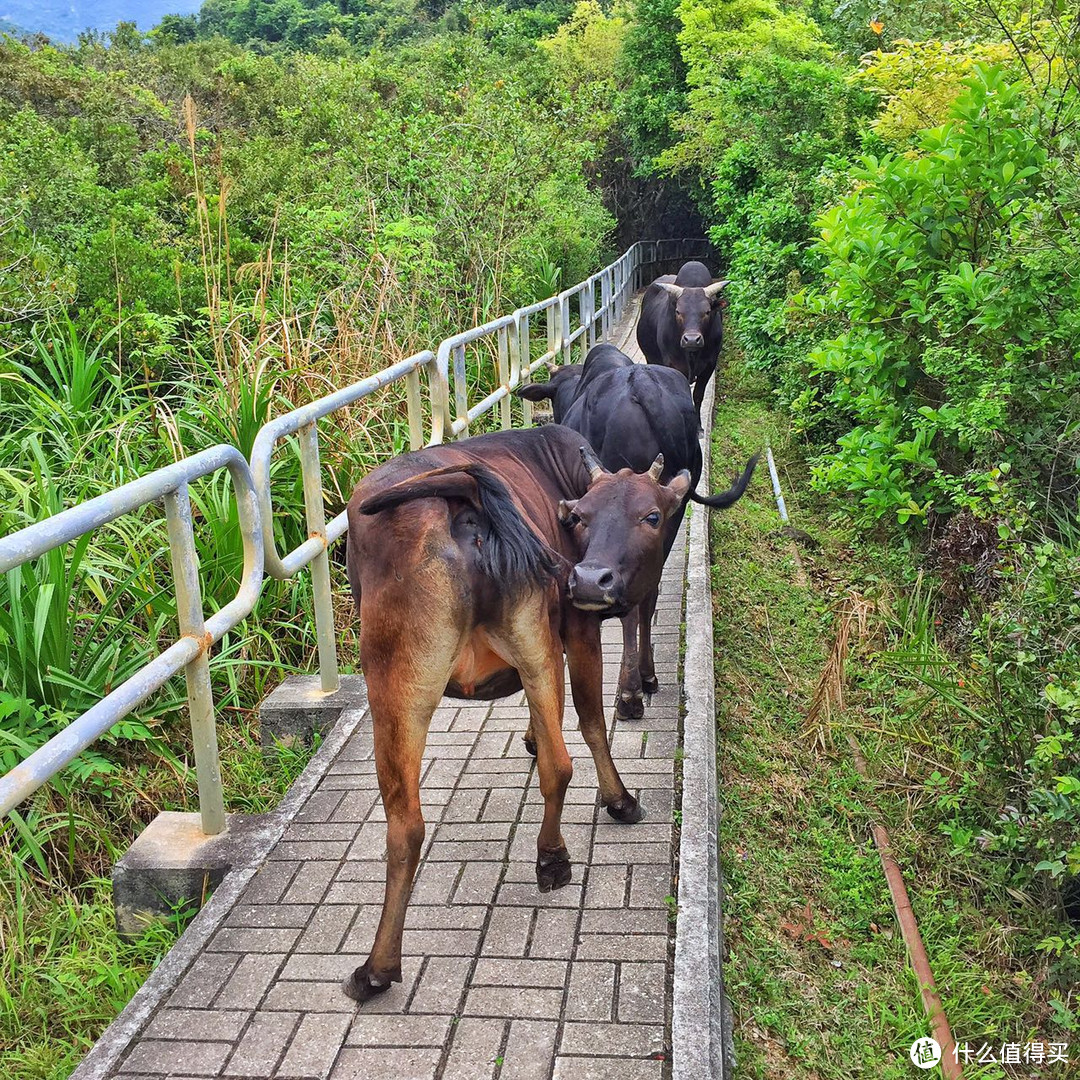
[699, 1036]
[104, 1055]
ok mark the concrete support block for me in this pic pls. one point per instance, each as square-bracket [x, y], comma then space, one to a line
[299, 708]
[173, 864]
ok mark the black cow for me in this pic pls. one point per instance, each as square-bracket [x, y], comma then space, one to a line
[681, 327]
[634, 415]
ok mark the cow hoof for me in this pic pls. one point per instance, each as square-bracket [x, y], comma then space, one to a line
[629, 707]
[530, 745]
[553, 870]
[650, 684]
[362, 985]
[627, 810]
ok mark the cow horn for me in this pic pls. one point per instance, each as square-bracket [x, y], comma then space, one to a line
[675, 290]
[592, 463]
[656, 468]
[715, 289]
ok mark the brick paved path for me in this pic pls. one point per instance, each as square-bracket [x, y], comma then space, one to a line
[499, 979]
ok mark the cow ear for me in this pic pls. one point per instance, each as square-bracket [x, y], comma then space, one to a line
[566, 511]
[679, 485]
[542, 391]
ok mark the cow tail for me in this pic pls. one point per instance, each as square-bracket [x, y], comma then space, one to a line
[509, 552]
[724, 499]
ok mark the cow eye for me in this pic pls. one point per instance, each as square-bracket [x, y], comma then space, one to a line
[652, 519]
[571, 520]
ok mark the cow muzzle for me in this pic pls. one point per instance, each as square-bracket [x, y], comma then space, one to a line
[594, 588]
[693, 341]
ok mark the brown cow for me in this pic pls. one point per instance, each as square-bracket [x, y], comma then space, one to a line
[475, 567]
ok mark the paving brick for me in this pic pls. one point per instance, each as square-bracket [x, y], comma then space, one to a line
[642, 992]
[622, 947]
[515, 892]
[320, 830]
[492, 744]
[442, 985]
[203, 980]
[467, 850]
[263, 1044]
[598, 1068]
[310, 883]
[408, 1030]
[625, 921]
[435, 882]
[327, 928]
[649, 885]
[249, 982]
[502, 804]
[310, 850]
[162, 1056]
[592, 991]
[489, 972]
[530, 1047]
[464, 805]
[478, 883]
[445, 917]
[441, 942]
[524, 1003]
[507, 931]
[365, 1064]
[355, 805]
[614, 1040]
[475, 830]
[269, 883]
[278, 915]
[554, 933]
[202, 1025]
[314, 1047]
[315, 967]
[628, 852]
[255, 939]
[476, 1045]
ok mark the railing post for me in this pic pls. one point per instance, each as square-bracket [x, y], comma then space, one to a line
[564, 328]
[416, 413]
[504, 376]
[189, 612]
[461, 392]
[520, 362]
[320, 565]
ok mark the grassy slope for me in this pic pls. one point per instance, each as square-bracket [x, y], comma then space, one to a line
[64, 974]
[816, 968]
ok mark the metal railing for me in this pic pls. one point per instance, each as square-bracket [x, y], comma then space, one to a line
[578, 316]
[197, 633]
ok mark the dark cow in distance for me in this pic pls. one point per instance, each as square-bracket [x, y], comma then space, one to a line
[473, 573]
[632, 414]
[681, 326]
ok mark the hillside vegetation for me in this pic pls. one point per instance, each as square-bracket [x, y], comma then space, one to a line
[202, 225]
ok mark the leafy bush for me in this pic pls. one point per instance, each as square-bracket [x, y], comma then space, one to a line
[957, 371]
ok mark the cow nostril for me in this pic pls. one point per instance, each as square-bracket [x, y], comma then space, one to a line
[606, 580]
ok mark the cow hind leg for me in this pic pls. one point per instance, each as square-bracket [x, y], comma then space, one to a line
[629, 704]
[649, 682]
[406, 676]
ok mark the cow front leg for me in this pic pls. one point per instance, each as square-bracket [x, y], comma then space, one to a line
[629, 704]
[586, 663]
[701, 384]
[649, 683]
